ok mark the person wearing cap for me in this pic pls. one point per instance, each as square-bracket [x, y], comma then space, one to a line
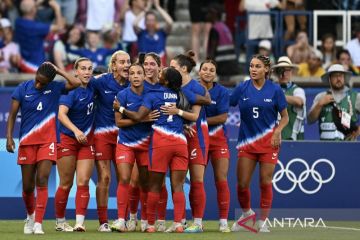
[265, 49]
[336, 109]
[312, 68]
[9, 52]
[295, 97]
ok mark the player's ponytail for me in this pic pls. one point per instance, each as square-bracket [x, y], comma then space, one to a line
[47, 70]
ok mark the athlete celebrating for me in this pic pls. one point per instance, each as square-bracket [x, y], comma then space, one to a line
[106, 132]
[217, 113]
[260, 101]
[76, 152]
[38, 102]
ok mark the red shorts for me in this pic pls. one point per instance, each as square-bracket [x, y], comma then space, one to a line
[69, 146]
[198, 155]
[104, 150]
[219, 152]
[176, 157]
[125, 154]
[31, 154]
[269, 157]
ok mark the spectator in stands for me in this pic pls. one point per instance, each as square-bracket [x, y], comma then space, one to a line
[74, 38]
[312, 68]
[100, 14]
[301, 50]
[171, 5]
[336, 109]
[354, 47]
[343, 57]
[200, 27]
[9, 53]
[30, 34]
[295, 98]
[328, 49]
[265, 49]
[152, 38]
[129, 12]
[293, 5]
[221, 46]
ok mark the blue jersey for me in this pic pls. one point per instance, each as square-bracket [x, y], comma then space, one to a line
[168, 129]
[219, 105]
[201, 140]
[39, 108]
[148, 86]
[106, 88]
[80, 102]
[258, 113]
[136, 135]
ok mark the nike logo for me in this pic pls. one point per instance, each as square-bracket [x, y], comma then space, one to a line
[108, 92]
[27, 96]
[223, 151]
[47, 92]
[81, 99]
[84, 196]
[245, 99]
[65, 150]
[51, 154]
[121, 157]
[129, 104]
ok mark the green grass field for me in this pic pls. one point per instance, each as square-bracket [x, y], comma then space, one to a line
[335, 230]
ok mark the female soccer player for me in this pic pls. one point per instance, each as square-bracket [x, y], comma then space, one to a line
[216, 114]
[106, 132]
[75, 150]
[198, 145]
[260, 101]
[133, 145]
[168, 145]
[38, 101]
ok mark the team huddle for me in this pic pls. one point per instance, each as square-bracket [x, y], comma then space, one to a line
[146, 120]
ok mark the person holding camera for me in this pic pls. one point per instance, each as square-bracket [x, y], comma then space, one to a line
[337, 108]
[295, 97]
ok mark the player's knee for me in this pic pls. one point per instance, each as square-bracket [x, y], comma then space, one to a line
[82, 182]
[243, 184]
[104, 180]
[66, 187]
[42, 181]
[124, 179]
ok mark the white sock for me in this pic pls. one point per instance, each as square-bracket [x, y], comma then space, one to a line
[37, 225]
[198, 221]
[223, 222]
[32, 216]
[133, 216]
[248, 213]
[183, 221]
[144, 221]
[80, 219]
[60, 220]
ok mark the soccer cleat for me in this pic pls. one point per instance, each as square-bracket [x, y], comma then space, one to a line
[184, 225]
[79, 228]
[224, 228]
[236, 227]
[263, 227]
[38, 229]
[63, 227]
[143, 225]
[150, 229]
[104, 228]
[118, 225]
[29, 225]
[161, 226]
[131, 225]
[175, 228]
[194, 228]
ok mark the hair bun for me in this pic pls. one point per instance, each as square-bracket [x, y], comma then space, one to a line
[191, 55]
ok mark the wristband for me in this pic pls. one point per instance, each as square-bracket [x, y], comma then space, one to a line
[121, 109]
[180, 113]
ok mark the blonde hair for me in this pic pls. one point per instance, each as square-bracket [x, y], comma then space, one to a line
[113, 59]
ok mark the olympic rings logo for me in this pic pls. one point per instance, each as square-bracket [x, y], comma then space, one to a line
[233, 118]
[291, 176]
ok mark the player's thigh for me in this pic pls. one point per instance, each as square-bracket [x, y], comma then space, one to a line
[66, 166]
[134, 180]
[84, 169]
[43, 170]
[197, 172]
[28, 172]
[220, 167]
[266, 172]
[177, 178]
[103, 169]
[245, 170]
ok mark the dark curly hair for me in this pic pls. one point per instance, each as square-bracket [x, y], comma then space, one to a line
[187, 60]
[47, 70]
[265, 60]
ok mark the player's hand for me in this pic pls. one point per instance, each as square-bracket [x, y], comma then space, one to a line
[152, 116]
[276, 139]
[80, 137]
[169, 109]
[116, 105]
[328, 98]
[189, 131]
[10, 145]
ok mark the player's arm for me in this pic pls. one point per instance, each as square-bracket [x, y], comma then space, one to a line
[203, 100]
[319, 103]
[276, 137]
[65, 120]
[71, 81]
[173, 110]
[14, 109]
[136, 116]
[218, 119]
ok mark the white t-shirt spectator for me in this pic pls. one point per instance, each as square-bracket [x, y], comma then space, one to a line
[129, 34]
[5, 54]
[354, 48]
[100, 14]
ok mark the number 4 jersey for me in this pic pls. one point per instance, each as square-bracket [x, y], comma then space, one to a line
[39, 108]
[259, 110]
